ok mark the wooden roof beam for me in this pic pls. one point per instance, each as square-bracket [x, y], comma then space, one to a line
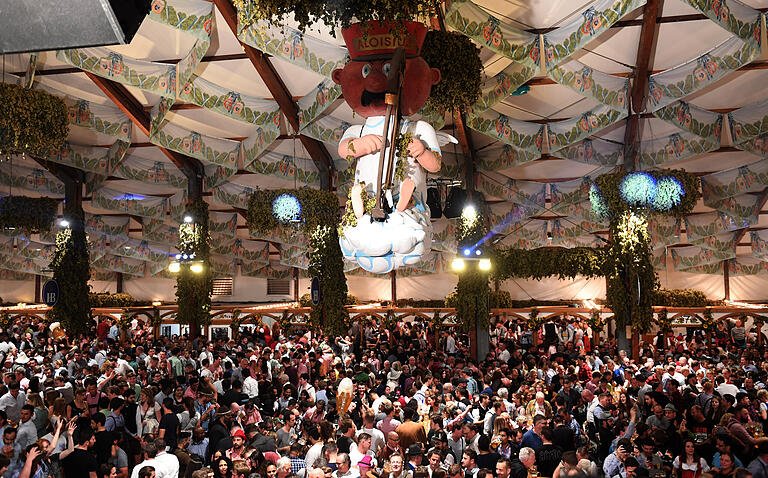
[276, 86]
[119, 94]
[645, 48]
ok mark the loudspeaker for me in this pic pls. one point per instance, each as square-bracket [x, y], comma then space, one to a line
[54, 25]
[455, 203]
[433, 201]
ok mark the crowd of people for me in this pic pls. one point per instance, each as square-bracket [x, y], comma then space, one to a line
[381, 402]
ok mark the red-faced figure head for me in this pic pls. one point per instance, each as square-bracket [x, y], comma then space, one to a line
[364, 84]
[363, 79]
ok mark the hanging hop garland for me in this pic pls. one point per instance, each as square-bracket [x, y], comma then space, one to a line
[663, 191]
[30, 214]
[472, 290]
[349, 219]
[31, 121]
[332, 14]
[460, 71]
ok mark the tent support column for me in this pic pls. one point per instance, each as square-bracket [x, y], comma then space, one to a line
[727, 279]
[393, 285]
[37, 289]
[119, 285]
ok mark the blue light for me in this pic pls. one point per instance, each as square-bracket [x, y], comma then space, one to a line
[668, 195]
[467, 252]
[286, 208]
[638, 189]
[129, 197]
[598, 203]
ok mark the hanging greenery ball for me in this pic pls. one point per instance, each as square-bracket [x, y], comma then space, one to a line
[458, 60]
[286, 208]
[638, 189]
[598, 203]
[669, 193]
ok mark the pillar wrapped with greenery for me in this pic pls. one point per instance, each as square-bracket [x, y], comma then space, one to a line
[473, 289]
[193, 289]
[327, 263]
[318, 218]
[71, 270]
[627, 200]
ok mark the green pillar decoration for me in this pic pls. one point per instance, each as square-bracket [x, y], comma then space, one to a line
[473, 289]
[193, 289]
[71, 269]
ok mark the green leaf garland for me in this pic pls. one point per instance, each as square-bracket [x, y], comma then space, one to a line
[460, 72]
[31, 121]
[31, 214]
[72, 270]
[193, 290]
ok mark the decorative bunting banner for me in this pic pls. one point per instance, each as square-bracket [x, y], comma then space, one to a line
[254, 269]
[733, 182]
[232, 104]
[444, 235]
[6, 274]
[114, 226]
[687, 257]
[607, 89]
[524, 137]
[222, 223]
[301, 170]
[30, 179]
[582, 210]
[490, 32]
[725, 242]
[317, 101]
[142, 250]
[104, 119]
[692, 119]
[664, 230]
[219, 151]
[572, 236]
[91, 158]
[593, 151]
[192, 16]
[150, 172]
[326, 129]
[163, 233]
[659, 258]
[503, 219]
[244, 249]
[698, 226]
[293, 46]
[18, 264]
[575, 191]
[501, 85]
[224, 266]
[759, 244]
[120, 264]
[735, 17]
[675, 147]
[157, 78]
[747, 266]
[678, 82]
[564, 41]
[745, 207]
[215, 175]
[176, 205]
[566, 132]
[114, 200]
[528, 193]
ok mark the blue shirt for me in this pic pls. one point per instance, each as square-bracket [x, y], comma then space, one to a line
[531, 440]
[198, 448]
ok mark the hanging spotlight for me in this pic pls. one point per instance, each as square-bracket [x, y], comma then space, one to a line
[63, 222]
[188, 219]
[457, 264]
[485, 265]
[174, 267]
[467, 252]
[469, 213]
[196, 267]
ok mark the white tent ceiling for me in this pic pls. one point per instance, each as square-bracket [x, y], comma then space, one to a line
[682, 34]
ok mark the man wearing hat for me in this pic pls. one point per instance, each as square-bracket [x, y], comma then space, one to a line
[237, 452]
[365, 465]
[415, 456]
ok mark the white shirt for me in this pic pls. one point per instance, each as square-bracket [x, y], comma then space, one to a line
[12, 406]
[314, 452]
[151, 462]
[377, 438]
[251, 387]
[166, 465]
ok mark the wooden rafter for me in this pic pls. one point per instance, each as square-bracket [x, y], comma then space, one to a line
[645, 48]
[119, 94]
[276, 86]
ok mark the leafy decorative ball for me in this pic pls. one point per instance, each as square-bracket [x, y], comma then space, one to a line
[596, 200]
[638, 189]
[286, 208]
[669, 193]
[460, 71]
